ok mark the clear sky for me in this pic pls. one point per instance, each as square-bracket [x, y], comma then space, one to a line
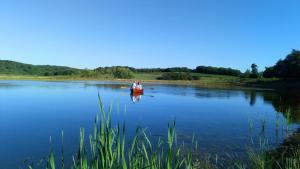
[149, 33]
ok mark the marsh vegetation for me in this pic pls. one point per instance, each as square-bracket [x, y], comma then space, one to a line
[109, 148]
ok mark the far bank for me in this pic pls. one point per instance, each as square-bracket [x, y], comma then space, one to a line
[205, 80]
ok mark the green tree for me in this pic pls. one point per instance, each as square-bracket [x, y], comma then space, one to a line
[254, 71]
[246, 73]
[287, 68]
[122, 73]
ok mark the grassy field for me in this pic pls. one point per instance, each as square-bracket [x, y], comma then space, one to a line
[205, 80]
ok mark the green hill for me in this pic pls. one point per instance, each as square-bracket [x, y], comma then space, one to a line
[17, 68]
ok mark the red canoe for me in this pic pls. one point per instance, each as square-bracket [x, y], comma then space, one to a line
[137, 91]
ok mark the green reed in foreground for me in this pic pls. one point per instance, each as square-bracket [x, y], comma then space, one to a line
[109, 149]
[286, 156]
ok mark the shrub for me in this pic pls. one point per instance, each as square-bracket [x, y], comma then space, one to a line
[177, 76]
[122, 73]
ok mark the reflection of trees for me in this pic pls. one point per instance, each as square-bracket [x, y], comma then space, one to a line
[252, 98]
[9, 85]
[207, 93]
[282, 101]
[108, 85]
[251, 95]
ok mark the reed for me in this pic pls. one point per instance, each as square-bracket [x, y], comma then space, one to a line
[266, 158]
[293, 162]
[250, 124]
[109, 150]
[288, 119]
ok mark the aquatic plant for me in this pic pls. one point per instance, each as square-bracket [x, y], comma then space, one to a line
[286, 156]
[266, 160]
[109, 150]
[250, 124]
[288, 119]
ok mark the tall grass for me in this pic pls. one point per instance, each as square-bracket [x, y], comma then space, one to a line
[265, 160]
[285, 157]
[288, 119]
[109, 149]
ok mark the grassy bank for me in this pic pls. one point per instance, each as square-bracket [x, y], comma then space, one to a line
[205, 80]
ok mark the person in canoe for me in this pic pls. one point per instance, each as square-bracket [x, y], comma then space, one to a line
[139, 86]
[136, 88]
[133, 86]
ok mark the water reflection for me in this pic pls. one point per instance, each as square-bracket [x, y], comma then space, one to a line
[283, 101]
[280, 100]
[212, 93]
[135, 97]
[220, 119]
[252, 98]
[108, 85]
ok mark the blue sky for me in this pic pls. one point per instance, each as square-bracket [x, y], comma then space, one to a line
[149, 33]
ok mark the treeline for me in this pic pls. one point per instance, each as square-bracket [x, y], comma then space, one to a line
[178, 76]
[174, 73]
[125, 72]
[145, 70]
[16, 68]
[122, 72]
[218, 70]
[199, 69]
[286, 68]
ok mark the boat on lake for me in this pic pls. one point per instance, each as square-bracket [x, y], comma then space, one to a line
[137, 91]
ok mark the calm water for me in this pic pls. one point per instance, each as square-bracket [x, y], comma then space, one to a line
[31, 112]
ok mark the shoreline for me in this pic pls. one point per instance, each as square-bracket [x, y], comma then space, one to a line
[217, 84]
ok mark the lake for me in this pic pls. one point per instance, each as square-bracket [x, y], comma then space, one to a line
[220, 119]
